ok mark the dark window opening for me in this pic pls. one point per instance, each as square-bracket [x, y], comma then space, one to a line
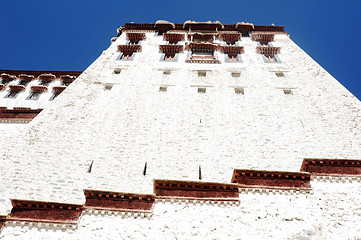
[13, 94]
[34, 95]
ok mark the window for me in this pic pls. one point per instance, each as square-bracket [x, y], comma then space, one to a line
[34, 95]
[202, 55]
[169, 57]
[162, 89]
[12, 94]
[280, 74]
[236, 74]
[108, 86]
[238, 90]
[201, 90]
[166, 72]
[126, 56]
[64, 83]
[128, 51]
[24, 82]
[117, 71]
[269, 54]
[44, 83]
[202, 73]
[232, 53]
[287, 91]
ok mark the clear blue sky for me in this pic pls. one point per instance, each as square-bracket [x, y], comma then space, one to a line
[70, 35]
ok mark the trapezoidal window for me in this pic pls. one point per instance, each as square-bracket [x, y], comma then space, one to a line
[34, 95]
[239, 90]
[202, 90]
[14, 91]
[287, 91]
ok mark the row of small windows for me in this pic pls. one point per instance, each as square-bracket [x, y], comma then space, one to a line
[237, 90]
[26, 82]
[204, 73]
[34, 95]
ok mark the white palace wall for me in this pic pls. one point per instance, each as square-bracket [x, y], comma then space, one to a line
[175, 132]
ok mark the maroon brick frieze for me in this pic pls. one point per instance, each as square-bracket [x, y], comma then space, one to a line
[37, 211]
[164, 26]
[190, 189]
[19, 113]
[118, 201]
[332, 166]
[272, 179]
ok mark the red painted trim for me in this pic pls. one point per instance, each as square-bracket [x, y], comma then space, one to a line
[37, 211]
[231, 49]
[268, 50]
[332, 166]
[37, 73]
[134, 38]
[17, 113]
[263, 38]
[190, 189]
[118, 201]
[269, 28]
[202, 46]
[129, 48]
[173, 38]
[170, 48]
[39, 88]
[256, 178]
[199, 26]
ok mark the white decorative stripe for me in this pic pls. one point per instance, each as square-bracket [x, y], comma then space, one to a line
[279, 191]
[336, 178]
[41, 225]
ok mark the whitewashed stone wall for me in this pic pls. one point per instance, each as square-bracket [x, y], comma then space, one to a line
[177, 131]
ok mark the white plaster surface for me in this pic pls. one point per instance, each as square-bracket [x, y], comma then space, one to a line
[177, 131]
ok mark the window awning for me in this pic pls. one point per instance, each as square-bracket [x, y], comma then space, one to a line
[202, 36]
[231, 49]
[173, 38]
[231, 37]
[17, 88]
[135, 37]
[47, 77]
[202, 46]
[59, 89]
[171, 48]
[38, 88]
[268, 50]
[67, 78]
[25, 77]
[163, 26]
[262, 37]
[213, 26]
[7, 77]
[129, 48]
